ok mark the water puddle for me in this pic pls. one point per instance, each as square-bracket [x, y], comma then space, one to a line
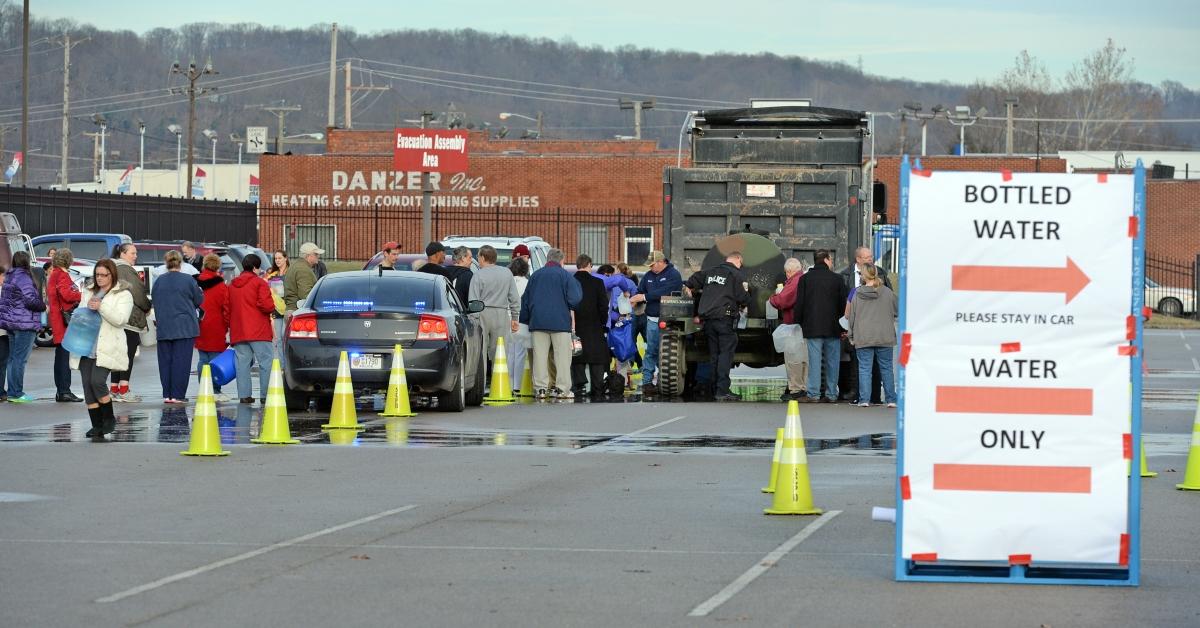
[237, 425]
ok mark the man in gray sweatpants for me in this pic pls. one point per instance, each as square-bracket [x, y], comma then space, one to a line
[496, 287]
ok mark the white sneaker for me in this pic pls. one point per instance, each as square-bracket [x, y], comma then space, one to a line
[131, 398]
[117, 397]
[222, 398]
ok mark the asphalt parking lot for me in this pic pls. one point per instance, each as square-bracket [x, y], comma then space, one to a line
[547, 514]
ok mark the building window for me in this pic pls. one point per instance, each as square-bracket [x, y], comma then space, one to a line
[324, 236]
[638, 243]
[593, 242]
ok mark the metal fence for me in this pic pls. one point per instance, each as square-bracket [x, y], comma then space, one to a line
[141, 217]
[608, 236]
[1172, 286]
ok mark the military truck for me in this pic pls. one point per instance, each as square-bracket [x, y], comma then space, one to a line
[771, 183]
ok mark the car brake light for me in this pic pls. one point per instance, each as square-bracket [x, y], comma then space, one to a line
[303, 326]
[430, 327]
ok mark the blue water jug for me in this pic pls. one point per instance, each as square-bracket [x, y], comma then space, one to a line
[224, 367]
[83, 331]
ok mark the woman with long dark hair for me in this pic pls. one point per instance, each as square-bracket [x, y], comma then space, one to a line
[109, 297]
[20, 315]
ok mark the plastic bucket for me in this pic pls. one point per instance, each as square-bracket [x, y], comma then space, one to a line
[224, 367]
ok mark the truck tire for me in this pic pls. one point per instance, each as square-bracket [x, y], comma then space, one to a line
[672, 365]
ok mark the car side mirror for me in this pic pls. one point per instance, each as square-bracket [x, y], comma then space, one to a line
[475, 307]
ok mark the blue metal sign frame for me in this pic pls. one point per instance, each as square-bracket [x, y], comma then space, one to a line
[1040, 573]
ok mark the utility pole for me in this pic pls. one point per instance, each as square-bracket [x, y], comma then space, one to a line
[192, 74]
[280, 112]
[332, 77]
[66, 120]
[350, 89]
[25, 90]
[1010, 103]
[95, 153]
[426, 192]
[637, 106]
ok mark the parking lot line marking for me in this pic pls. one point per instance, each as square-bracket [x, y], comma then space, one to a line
[1196, 364]
[768, 561]
[183, 575]
[1187, 346]
[629, 435]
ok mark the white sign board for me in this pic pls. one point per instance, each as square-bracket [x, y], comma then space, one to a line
[256, 139]
[1016, 414]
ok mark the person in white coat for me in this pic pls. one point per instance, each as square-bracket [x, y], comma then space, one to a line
[111, 298]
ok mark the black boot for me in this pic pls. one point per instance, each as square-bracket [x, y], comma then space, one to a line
[94, 415]
[108, 421]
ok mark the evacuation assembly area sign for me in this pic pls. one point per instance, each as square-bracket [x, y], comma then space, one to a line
[428, 150]
[1017, 356]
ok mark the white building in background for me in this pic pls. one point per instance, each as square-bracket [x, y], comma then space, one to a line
[1186, 163]
[224, 182]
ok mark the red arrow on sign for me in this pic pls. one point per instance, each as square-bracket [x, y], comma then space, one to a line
[1069, 280]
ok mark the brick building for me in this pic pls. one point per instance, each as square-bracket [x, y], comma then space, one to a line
[602, 197]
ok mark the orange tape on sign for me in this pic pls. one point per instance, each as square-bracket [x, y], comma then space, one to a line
[927, 172]
[1006, 175]
[1130, 327]
[905, 488]
[1128, 350]
[1102, 177]
[1123, 553]
[1010, 347]
[905, 348]
[1147, 312]
[1127, 446]
[930, 557]
[1133, 226]
[1020, 559]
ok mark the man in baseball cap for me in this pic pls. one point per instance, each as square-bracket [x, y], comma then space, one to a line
[301, 278]
[391, 250]
[435, 254]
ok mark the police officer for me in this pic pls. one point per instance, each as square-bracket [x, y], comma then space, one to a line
[723, 294]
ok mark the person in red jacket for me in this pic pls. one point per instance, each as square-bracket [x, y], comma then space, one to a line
[250, 330]
[63, 297]
[214, 325]
[796, 363]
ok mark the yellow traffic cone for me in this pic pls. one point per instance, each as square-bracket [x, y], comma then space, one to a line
[396, 431]
[397, 392]
[275, 419]
[770, 487]
[793, 495]
[1146, 473]
[343, 415]
[1191, 479]
[206, 438]
[527, 378]
[501, 393]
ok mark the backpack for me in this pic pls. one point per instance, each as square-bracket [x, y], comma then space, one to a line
[614, 384]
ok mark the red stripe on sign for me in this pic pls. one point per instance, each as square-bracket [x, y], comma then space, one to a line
[905, 348]
[905, 488]
[927, 172]
[1010, 347]
[1128, 350]
[1006, 175]
[1130, 327]
[1011, 478]
[1133, 226]
[1102, 177]
[1123, 553]
[1127, 446]
[1010, 400]
[1020, 559]
[930, 557]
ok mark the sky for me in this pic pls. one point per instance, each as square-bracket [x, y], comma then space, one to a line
[932, 40]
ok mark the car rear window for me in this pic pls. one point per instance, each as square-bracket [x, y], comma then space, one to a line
[90, 250]
[369, 293]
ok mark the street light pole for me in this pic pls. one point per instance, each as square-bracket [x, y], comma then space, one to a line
[174, 128]
[142, 156]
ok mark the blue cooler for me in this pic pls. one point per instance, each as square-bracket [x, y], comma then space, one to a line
[224, 367]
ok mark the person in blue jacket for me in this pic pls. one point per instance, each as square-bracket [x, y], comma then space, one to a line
[177, 298]
[546, 307]
[616, 285]
[661, 280]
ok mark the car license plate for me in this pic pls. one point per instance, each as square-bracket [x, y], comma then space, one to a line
[367, 361]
